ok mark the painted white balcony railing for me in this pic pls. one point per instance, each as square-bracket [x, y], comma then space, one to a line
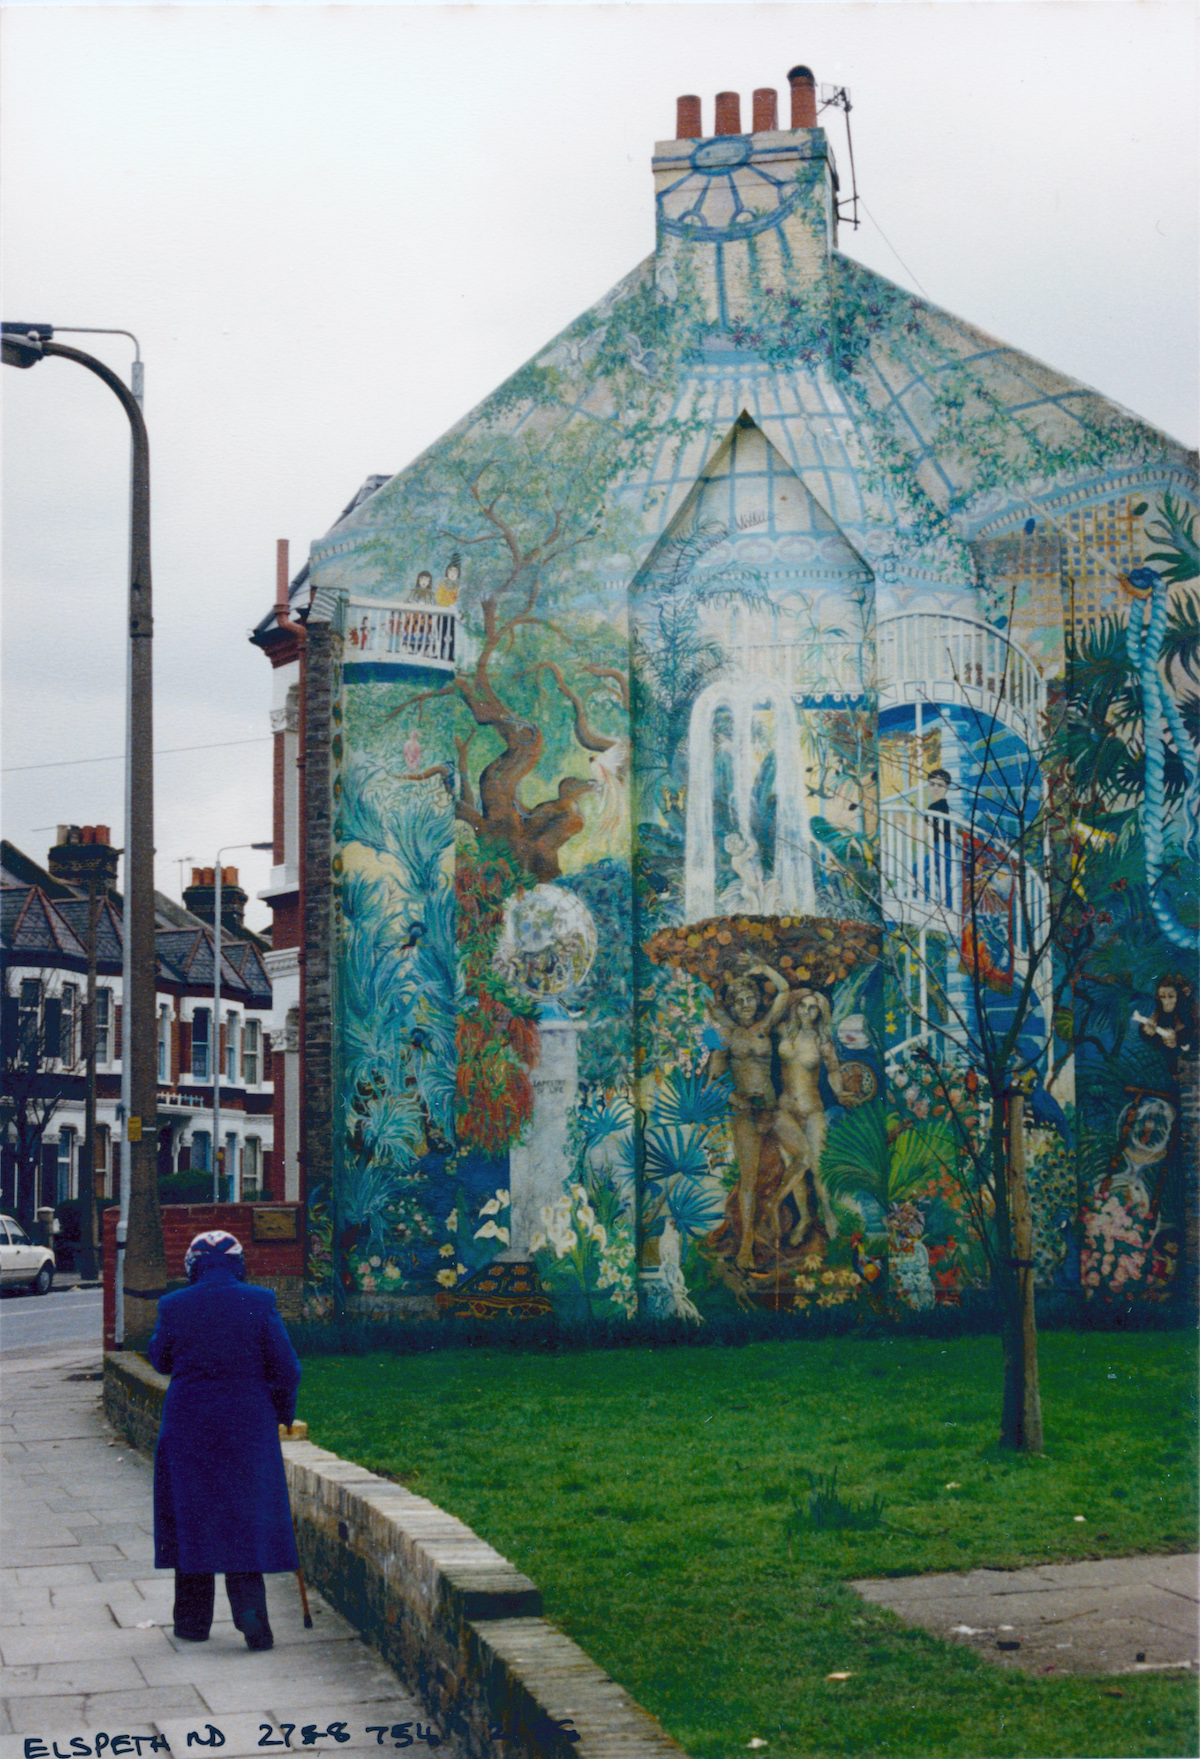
[936, 657]
[391, 631]
[939, 874]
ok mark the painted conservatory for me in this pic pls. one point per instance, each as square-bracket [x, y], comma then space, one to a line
[753, 746]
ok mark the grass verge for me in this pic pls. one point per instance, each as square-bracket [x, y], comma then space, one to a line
[652, 1495]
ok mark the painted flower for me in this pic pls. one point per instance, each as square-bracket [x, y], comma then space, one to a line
[447, 1278]
[492, 1231]
[446, 1251]
[452, 1221]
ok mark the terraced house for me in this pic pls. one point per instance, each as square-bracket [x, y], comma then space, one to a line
[47, 917]
[740, 775]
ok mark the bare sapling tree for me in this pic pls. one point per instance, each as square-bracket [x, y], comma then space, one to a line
[41, 1070]
[993, 937]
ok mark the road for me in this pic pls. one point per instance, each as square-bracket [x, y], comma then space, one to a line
[64, 1317]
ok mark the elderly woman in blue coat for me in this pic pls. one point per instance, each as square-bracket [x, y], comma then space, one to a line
[220, 1495]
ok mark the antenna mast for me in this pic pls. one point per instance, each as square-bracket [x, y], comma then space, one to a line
[838, 98]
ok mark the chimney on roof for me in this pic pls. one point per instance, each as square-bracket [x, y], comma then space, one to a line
[729, 113]
[766, 110]
[201, 897]
[83, 851]
[687, 118]
[804, 97]
[742, 213]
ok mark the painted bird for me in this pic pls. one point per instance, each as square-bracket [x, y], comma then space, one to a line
[415, 931]
[1139, 583]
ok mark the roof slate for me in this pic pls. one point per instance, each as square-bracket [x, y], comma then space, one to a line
[33, 930]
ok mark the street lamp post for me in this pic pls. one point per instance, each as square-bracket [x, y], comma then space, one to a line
[218, 876]
[145, 1271]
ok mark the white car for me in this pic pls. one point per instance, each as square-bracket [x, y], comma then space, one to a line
[22, 1263]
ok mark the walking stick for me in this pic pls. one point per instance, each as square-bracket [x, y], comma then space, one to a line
[298, 1432]
[308, 1624]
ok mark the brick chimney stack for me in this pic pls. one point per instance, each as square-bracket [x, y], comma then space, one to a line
[82, 851]
[740, 211]
[201, 897]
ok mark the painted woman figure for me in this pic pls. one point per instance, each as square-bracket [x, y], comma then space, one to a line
[805, 1043]
[745, 1026]
[450, 583]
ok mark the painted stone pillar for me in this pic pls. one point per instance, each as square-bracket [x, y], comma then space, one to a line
[538, 1166]
[546, 948]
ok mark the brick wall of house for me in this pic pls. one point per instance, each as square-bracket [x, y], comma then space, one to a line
[317, 1137]
[273, 1264]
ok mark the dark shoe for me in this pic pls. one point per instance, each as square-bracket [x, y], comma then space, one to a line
[191, 1636]
[256, 1631]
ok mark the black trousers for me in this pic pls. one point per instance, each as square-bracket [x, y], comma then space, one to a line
[194, 1596]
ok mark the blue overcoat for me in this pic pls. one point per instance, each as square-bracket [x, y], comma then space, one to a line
[220, 1496]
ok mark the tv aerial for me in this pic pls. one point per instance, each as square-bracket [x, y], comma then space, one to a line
[838, 98]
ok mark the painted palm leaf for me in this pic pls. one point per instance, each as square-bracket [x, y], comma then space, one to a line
[696, 1205]
[690, 1099]
[673, 1152]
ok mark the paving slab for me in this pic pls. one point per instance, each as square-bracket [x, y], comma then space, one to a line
[1103, 1615]
[86, 1643]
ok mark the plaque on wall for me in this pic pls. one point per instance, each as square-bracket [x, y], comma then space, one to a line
[275, 1224]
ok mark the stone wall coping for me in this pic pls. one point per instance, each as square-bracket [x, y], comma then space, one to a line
[444, 1608]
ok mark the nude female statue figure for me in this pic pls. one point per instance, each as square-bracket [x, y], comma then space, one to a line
[745, 1027]
[804, 1042]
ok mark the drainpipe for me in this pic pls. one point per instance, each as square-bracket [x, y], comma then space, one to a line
[285, 621]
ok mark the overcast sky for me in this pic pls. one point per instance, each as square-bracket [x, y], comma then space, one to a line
[335, 229]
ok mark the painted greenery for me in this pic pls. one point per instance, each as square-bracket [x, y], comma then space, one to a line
[829, 1153]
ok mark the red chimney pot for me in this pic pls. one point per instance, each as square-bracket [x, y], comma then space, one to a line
[687, 118]
[729, 113]
[804, 97]
[766, 110]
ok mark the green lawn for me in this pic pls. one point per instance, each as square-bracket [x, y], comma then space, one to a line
[648, 1493]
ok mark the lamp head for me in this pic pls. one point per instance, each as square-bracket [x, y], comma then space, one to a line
[22, 343]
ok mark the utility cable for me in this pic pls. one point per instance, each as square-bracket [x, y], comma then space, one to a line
[65, 763]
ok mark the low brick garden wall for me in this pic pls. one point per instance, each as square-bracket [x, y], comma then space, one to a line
[456, 1620]
[275, 1262]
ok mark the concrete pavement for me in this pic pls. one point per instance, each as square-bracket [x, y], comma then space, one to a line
[85, 1628]
[1105, 1615]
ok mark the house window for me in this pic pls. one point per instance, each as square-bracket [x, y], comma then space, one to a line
[102, 1186]
[251, 1168]
[65, 1168]
[103, 1025]
[229, 1166]
[250, 1046]
[66, 1035]
[164, 1041]
[29, 1010]
[200, 1146]
[200, 1044]
[231, 1038]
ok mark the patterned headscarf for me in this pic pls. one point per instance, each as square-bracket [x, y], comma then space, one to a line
[214, 1247]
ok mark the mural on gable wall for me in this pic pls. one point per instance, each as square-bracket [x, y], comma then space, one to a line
[721, 706]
